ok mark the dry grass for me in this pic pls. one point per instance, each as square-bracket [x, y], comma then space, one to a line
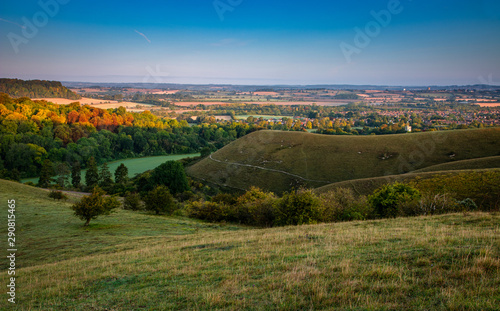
[329, 159]
[448, 262]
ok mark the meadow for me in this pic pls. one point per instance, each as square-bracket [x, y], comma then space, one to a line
[138, 261]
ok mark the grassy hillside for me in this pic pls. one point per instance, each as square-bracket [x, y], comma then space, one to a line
[278, 161]
[366, 186]
[482, 163]
[134, 261]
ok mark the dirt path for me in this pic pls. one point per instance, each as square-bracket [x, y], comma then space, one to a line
[270, 169]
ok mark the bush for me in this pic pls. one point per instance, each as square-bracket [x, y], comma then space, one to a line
[210, 211]
[94, 205]
[57, 195]
[132, 201]
[387, 200]
[297, 208]
[429, 204]
[160, 201]
[256, 207]
[343, 205]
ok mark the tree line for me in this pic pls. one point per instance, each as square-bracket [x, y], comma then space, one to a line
[36, 89]
[34, 131]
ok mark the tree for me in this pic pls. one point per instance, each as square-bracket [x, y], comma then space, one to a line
[172, 175]
[105, 179]
[94, 205]
[91, 176]
[121, 174]
[46, 174]
[132, 201]
[297, 208]
[160, 201]
[76, 175]
[387, 200]
[62, 171]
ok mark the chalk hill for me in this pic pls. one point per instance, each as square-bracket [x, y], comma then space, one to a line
[278, 161]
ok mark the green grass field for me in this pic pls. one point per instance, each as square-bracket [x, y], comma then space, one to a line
[279, 161]
[137, 165]
[138, 261]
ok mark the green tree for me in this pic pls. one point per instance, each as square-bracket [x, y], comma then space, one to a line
[105, 179]
[46, 174]
[62, 171]
[172, 175]
[297, 208]
[91, 176]
[387, 200]
[132, 201]
[121, 174]
[94, 205]
[76, 175]
[160, 201]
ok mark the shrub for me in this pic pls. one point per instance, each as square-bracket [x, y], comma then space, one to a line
[94, 205]
[343, 205]
[429, 204]
[297, 208]
[57, 195]
[387, 200]
[210, 211]
[160, 201]
[256, 207]
[132, 201]
[467, 205]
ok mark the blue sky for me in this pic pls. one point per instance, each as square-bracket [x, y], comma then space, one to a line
[421, 42]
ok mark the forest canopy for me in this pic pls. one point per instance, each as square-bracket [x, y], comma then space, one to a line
[36, 89]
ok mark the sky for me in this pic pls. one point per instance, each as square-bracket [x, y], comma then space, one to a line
[377, 42]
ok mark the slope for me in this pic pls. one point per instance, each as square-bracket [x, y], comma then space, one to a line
[279, 161]
[133, 261]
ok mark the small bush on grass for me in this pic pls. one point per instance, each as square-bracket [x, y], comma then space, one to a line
[94, 205]
[57, 195]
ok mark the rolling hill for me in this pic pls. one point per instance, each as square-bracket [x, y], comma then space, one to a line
[279, 161]
[138, 261]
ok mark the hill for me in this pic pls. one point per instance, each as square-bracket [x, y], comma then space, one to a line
[435, 179]
[278, 161]
[36, 89]
[135, 261]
